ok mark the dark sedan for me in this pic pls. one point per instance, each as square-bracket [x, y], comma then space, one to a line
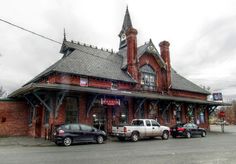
[68, 134]
[187, 130]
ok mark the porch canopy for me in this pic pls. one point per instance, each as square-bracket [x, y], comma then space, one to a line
[34, 87]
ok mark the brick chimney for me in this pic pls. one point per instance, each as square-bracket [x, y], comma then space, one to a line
[165, 54]
[132, 64]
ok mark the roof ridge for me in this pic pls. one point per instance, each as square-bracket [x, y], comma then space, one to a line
[92, 46]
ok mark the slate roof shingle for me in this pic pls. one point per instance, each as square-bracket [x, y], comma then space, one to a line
[89, 61]
[178, 82]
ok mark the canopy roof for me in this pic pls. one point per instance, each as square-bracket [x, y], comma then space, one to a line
[33, 87]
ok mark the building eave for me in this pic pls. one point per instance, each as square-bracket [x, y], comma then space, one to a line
[70, 88]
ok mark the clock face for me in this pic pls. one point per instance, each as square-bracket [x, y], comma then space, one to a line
[123, 37]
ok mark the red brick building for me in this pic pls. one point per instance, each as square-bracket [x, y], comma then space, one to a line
[105, 88]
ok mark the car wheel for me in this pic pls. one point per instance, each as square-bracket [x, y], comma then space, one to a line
[100, 139]
[67, 141]
[165, 135]
[121, 138]
[188, 134]
[174, 135]
[203, 134]
[134, 137]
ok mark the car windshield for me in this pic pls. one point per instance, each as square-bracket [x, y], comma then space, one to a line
[138, 123]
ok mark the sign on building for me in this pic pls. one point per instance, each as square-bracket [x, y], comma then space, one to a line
[110, 102]
[83, 81]
[217, 97]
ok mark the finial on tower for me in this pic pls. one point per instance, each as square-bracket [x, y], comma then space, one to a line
[64, 34]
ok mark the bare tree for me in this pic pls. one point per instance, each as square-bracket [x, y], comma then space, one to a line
[230, 113]
[2, 92]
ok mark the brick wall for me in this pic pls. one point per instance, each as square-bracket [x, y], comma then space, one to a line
[13, 118]
[188, 94]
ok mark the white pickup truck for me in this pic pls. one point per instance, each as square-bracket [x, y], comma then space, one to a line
[141, 128]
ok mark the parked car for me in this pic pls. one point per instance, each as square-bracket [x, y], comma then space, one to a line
[187, 130]
[141, 128]
[68, 134]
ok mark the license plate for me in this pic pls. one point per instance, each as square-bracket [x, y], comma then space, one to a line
[174, 129]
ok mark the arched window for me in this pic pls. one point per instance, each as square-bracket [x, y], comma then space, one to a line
[148, 77]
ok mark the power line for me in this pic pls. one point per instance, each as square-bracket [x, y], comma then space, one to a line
[34, 33]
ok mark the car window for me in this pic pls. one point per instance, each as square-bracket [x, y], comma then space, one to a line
[148, 123]
[85, 127]
[67, 127]
[74, 127]
[154, 123]
[194, 126]
[188, 126]
[138, 123]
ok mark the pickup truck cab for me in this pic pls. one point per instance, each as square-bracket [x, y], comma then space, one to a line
[141, 128]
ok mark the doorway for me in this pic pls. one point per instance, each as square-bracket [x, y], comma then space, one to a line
[100, 118]
[38, 122]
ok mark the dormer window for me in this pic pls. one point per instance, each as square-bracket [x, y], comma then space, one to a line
[148, 77]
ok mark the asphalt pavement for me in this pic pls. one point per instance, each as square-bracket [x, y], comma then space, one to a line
[215, 148]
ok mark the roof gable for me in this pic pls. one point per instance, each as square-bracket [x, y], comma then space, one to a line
[141, 50]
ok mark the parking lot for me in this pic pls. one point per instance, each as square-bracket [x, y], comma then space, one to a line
[215, 148]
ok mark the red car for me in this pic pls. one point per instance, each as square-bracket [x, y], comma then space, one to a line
[187, 130]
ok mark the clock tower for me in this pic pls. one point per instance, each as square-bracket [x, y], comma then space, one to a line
[126, 25]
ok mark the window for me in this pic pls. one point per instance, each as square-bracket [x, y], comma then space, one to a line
[148, 77]
[85, 127]
[202, 115]
[71, 110]
[154, 123]
[74, 127]
[148, 123]
[46, 116]
[31, 114]
[138, 123]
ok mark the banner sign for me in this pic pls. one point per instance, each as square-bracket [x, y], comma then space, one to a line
[217, 97]
[110, 102]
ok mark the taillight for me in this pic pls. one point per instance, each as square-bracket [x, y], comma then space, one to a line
[125, 129]
[181, 129]
[61, 132]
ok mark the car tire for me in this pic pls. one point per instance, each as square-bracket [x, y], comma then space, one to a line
[67, 141]
[203, 134]
[174, 136]
[100, 139]
[134, 137]
[165, 135]
[121, 138]
[188, 134]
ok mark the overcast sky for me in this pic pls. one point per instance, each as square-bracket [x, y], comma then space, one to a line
[202, 34]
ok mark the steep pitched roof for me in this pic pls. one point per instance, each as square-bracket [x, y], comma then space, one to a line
[127, 22]
[89, 61]
[178, 82]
